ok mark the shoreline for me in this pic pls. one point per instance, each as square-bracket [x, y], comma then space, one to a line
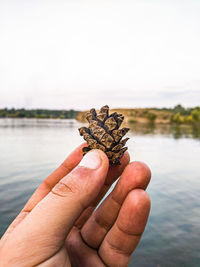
[125, 123]
[164, 116]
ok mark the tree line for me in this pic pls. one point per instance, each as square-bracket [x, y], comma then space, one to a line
[177, 115]
[38, 113]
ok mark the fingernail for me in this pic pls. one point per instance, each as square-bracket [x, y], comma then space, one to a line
[91, 160]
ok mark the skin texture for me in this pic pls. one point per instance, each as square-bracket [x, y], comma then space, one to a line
[59, 227]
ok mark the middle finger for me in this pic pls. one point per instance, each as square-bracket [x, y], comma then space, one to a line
[113, 173]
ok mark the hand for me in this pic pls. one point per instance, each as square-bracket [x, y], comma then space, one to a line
[59, 227]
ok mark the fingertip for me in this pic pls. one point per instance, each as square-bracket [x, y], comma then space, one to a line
[140, 172]
[74, 158]
[83, 145]
[141, 167]
[125, 159]
[79, 148]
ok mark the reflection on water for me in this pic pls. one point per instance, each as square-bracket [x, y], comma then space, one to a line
[32, 148]
[175, 131]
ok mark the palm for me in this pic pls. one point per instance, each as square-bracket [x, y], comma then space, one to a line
[80, 254]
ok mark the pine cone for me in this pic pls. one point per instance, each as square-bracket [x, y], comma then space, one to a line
[104, 133]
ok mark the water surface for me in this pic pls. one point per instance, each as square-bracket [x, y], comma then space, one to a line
[30, 149]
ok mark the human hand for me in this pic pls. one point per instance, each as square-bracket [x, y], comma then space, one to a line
[59, 227]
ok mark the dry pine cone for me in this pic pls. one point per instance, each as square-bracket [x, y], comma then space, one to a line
[104, 133]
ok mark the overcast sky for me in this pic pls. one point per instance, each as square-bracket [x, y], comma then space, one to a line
[83, 54]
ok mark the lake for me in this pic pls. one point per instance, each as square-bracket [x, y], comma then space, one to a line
[30, 149]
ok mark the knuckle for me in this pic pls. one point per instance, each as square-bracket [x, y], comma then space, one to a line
[140, 198]
[64, 188]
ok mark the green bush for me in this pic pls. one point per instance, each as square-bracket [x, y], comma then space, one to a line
[189, 119]
[151, 116]
[177, 118]
[195, 114]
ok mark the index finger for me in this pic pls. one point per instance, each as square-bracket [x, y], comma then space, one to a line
[45, 187]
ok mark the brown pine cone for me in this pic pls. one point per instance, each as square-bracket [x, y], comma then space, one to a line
[104, 133]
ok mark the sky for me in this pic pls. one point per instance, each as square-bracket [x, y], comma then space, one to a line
[84, 54]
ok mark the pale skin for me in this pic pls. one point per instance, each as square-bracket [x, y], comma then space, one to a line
[59, 227]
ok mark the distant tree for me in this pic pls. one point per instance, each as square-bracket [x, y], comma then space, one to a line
[179, 109]
[182, 110]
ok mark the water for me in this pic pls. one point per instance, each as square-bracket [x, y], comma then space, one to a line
[31, 149]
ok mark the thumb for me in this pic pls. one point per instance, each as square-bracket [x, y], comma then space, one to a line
[54, 216]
